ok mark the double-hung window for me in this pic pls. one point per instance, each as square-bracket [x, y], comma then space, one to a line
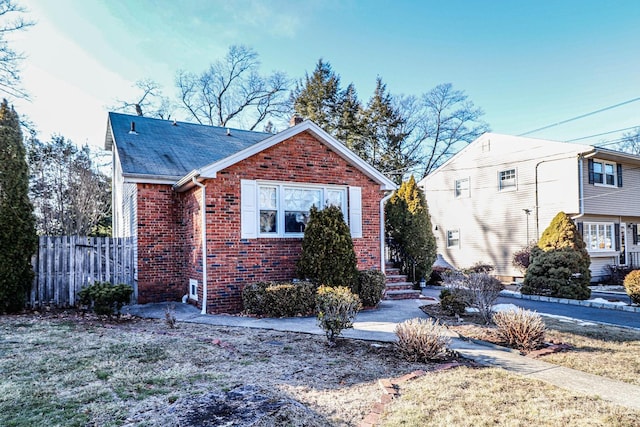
[606, 173]
[283, 209]
[599, 236]
[462, 188]
[507, 180]
[453, 238]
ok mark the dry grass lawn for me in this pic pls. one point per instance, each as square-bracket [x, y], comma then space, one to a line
[67, 370]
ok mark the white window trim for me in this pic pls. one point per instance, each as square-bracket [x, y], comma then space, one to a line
[456, 230]
[465, 193]
[604, 175]
[587, 237]
[351, 209]
[513, 187]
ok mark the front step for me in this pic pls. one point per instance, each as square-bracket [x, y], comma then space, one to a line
[397, 286]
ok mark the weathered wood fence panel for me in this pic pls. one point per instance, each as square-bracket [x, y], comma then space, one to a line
[66, 264]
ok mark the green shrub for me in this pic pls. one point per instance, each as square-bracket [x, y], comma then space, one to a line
[632, 286]
[274, 299]
[105, 298]
[371, 284]
[337, 308]
[421, 340]
[557, 273]
[408, 224]
[521, 329]
[452, 302]
[328, 256]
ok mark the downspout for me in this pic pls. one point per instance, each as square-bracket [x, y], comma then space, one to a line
[580, 188]
[204, 244]
[382, 260]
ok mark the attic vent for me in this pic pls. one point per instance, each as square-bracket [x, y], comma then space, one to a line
[133, 128]
[228, 132]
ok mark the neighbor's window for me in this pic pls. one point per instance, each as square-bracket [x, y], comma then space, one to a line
[284, 209]
[604, 173]
[453, 238]
[462, 188]
[507, 179]
[599, 236]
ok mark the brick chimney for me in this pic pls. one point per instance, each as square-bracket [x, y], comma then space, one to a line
[295, 120]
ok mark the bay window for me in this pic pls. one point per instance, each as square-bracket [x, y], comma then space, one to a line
[599, 236]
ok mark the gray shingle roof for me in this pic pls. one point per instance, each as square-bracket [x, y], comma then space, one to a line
[159, 148]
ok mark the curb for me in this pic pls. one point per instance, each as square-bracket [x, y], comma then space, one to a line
[619, 307]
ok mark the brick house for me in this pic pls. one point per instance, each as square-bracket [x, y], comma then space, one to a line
[257, 189]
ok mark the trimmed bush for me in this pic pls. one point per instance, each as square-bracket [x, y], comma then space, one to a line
[328, 257]
[272, 299]
[421, 340]
[337, 308]
[560, 263]
[521, 329]
[632, 286]
[522, 258]
[105, 298]
[557, 273]
[371, 284]
[452, 302]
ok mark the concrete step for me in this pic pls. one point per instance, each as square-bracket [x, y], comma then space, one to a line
[405, 294]
[391, 271]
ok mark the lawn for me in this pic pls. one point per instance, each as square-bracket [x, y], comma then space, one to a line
[68, 370]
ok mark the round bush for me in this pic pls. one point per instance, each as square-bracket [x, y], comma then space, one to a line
[421, 340]
[371, 284]
[452, 302]
[632, 286]
[521, 329]
[337, 308]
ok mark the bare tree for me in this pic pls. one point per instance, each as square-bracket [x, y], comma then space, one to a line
[150, 102]
[232, 89]
[69, 194]
[445, 121]
[11, 21]
[630, 142]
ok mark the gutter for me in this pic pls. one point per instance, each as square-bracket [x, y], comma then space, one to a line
[382, 260]
[580, 188]
[204, 244]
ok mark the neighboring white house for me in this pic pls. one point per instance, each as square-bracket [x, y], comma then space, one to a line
[501, 192]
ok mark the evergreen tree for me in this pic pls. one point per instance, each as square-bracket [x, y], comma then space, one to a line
[319, 97]
[386, 135]
[328, 257]
[350, 124]
[18, 240]
[408, 223]
[560, 262]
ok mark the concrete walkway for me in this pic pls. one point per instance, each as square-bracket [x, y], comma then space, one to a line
[379, 325]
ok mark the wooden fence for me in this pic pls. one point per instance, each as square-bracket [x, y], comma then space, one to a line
[66, 264]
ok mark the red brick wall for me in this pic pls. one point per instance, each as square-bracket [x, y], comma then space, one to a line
[160, 249]
[169, 235]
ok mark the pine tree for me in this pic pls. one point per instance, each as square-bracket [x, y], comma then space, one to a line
[385, 135]
[560, 262]
[319, 97]
[408, 223]
[18, 239]
[350, 124]
[328, 257]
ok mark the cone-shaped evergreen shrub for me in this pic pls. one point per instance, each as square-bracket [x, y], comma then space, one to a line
[328, 257]
[18, 239]
[408, 223]
[560, 263]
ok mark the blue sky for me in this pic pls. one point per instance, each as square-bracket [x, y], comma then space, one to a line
[527, 64]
